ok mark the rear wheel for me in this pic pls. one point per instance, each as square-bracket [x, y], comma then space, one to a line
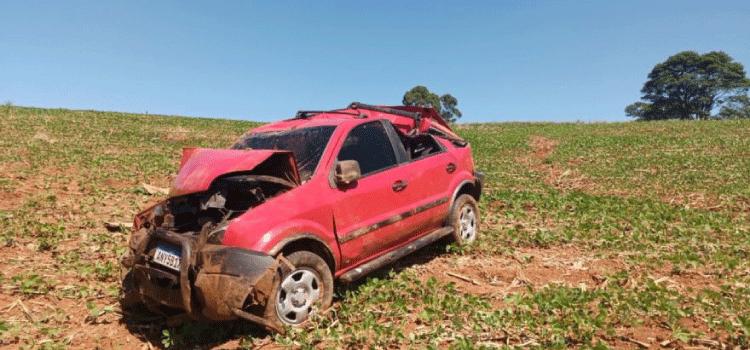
[464, 218]
[303, 290]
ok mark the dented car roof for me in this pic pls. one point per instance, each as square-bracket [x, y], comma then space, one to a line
[429, 119]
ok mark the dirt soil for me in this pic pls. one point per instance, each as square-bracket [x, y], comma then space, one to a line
[81, 326]
[92, 327]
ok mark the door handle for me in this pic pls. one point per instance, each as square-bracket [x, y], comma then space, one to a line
[399, 185]
[450, 168]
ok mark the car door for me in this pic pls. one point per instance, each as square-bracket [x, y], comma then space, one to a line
[430, 169]
[369, 213]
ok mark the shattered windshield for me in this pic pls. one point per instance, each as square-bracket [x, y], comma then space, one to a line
[307, 145]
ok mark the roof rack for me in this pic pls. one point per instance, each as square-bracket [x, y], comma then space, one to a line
[417, 116]
[358, 105]
[414, 115]
[307, 114]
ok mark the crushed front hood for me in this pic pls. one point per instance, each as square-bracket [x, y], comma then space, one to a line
[201, 166]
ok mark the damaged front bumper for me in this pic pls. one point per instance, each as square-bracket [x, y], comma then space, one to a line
[178, 274]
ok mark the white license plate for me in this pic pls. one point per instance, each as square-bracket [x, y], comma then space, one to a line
[166, 258]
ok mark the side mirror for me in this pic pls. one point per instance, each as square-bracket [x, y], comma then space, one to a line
[347, 171]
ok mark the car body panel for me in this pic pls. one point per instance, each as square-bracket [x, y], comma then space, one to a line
[301, 210]
[201, 166]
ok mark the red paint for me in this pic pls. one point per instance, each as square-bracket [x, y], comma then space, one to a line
[330, 213]
[201, 166]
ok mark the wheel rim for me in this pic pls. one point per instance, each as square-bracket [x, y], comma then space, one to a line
[297, 296]
[468, 224]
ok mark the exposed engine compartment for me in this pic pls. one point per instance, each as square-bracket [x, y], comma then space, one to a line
[211, 210]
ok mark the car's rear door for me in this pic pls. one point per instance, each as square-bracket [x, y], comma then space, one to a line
[430, 169]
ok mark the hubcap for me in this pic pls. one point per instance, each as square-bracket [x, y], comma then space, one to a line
[468, 221]
[297, 296]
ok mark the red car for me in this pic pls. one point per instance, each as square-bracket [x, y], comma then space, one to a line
[260, 231]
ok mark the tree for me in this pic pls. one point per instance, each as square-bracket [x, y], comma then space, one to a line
[736, 107]
[449, 112]
[690, 86]
[445, 105]
[638, 110]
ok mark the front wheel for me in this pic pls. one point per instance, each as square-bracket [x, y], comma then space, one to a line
[464, 218]
[129, 298]
[303, 290]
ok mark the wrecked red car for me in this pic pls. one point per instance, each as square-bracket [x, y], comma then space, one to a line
[261, 230]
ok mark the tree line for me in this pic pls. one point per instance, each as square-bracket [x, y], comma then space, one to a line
[689, 85]
[686, 86]
[445, 105]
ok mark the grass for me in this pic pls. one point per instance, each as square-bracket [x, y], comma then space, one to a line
[611, 235]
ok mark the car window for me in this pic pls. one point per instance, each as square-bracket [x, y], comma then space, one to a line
[420, 145]
[307, 144]
[370, 146]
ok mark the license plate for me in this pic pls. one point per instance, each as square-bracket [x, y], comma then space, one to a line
[168, 256]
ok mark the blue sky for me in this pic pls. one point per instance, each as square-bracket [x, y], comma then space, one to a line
[264, 60]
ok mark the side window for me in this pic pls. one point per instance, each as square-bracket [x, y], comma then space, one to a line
[420, 145]
[369, 145]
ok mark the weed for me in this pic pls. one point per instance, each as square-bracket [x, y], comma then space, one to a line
[665, 202]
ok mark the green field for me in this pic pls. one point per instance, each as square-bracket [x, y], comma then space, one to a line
[619, 235]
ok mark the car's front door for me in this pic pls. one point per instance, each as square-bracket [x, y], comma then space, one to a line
[369, 213]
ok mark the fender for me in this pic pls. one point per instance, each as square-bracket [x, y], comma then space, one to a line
[295, 230]
[476, 181]
[458, 188]
[465, 179]
[289, 239]
[292, 213]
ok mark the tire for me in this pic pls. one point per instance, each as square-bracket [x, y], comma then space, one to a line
[464, 218]
[129, 298]
[302, 291]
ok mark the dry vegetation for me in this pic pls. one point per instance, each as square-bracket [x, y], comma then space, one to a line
[627, 235]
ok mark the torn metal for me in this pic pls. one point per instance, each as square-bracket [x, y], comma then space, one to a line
[206, 198]
[210, 282]
[176, 261]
